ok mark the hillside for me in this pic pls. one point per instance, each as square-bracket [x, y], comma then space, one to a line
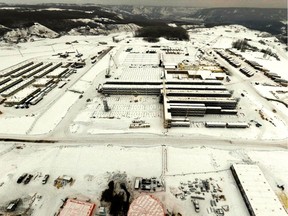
[262, 19]
[90, 19]
[17, 23]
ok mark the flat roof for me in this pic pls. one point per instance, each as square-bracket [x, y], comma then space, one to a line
[42, 81]
[259, 193]
[205, 99]
[169, 82]
[77, 208]
[18, 86]
[115, 86]
[146, 205]
[57, 72]
[22, 94]
[195, 91]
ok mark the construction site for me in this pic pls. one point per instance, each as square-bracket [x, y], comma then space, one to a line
[185, 87]
[28, 82]
[170, 128]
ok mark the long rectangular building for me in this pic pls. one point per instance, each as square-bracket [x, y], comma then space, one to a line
[258, 195]
[174, 82]
[224, 103]
[17, 87]
[198, 93]
[211, 87]
[14, 69]
[131, 89]
[9, 84]
[21, 96]
[26, 70]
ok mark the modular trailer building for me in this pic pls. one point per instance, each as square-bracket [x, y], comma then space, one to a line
[258, 195]
[26, 70]
[36, 70]
[10, 84]
[22, 96]
[4, 80]
[14, 69]
[16, 88]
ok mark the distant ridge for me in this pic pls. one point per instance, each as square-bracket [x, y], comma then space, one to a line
[70, 17]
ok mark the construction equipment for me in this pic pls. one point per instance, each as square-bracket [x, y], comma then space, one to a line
[78, 55]
[100, 88]
[106, 107]
[108, 75]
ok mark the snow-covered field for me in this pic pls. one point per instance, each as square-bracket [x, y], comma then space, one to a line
[63, 112]
[92, 145]
[93, 165]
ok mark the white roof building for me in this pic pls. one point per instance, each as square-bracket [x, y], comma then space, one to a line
[146, 205]
[256, 191]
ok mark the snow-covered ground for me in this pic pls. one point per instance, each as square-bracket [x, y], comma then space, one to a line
[93, 165]
[93, 145]
[86, 116]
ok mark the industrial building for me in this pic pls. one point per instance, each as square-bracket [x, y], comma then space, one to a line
[21, 83]
[184, 89]
[146, 205]
[58, 72]
[257, 194]
[10, 84]
[155, 87]
[43, 82]
[47, 70]
[215, 124]
[4, 80]
[194, 74]
[224, 103]
[187, 97]
[19, 86]
[198, 93]
[21, 96]
[227, 125]
[228, 58]
[36, 70]
[14, 69]
[73, 207]
[26, 70]
[246, 72]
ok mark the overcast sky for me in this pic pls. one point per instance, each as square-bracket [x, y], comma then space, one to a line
[192, 3]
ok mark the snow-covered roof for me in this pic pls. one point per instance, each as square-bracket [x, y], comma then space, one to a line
[260, 196]
[57, 72]
[42, 81]
[21, 95]
[77, 208]
[146, 206]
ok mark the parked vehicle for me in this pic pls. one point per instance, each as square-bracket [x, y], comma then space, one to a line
[21, 178]
[196, 206]
[45, 179]
[13, 205]
[28, 179]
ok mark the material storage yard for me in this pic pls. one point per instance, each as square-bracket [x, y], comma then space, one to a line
[172, 117]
